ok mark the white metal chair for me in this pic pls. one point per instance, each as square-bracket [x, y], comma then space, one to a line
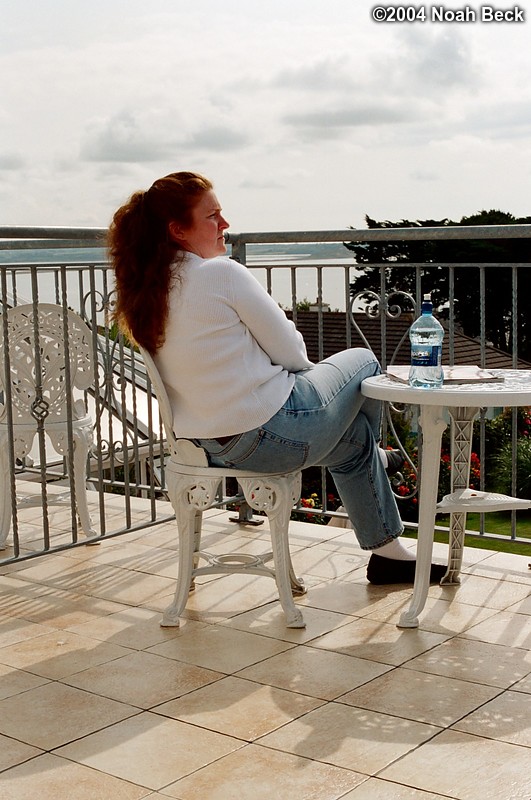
[38, 384]
[192, 485]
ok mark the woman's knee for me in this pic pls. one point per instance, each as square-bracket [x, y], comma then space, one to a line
[355, 359]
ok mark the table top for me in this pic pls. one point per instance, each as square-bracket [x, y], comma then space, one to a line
[513, 390]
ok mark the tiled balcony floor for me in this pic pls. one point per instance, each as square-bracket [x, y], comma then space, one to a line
[97, 701]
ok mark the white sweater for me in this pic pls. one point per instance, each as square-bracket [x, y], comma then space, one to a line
[230, 351]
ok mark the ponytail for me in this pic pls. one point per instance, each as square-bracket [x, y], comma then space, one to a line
[145, 258]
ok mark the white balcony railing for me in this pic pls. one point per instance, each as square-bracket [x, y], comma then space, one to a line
[126, 466]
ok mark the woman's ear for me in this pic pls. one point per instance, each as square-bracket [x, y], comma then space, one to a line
[175, 231]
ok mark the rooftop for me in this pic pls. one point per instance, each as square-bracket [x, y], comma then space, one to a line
[98, 701]
[331, 327]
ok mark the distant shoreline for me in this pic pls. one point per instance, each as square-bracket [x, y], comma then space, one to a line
[256, 252]
[283, 257]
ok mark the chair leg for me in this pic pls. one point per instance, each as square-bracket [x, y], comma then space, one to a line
[185, 523]
[5, 493]
[298, 587]
[189, 498]
[82, 441]
[198, 524]
[275, 496]
[284, 573]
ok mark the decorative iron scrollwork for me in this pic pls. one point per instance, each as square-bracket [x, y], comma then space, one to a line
[389, 305]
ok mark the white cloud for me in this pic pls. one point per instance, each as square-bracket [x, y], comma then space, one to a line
[327, 74]
[122, 138]
[363, 114]
[434, 60]
[506, 120]
[11, 161]
[153, 137]
[305, 113]
[218, 139]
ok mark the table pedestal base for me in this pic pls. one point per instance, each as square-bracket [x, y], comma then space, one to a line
[461, 500]
[511, 387]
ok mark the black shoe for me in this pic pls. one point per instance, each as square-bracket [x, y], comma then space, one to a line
[395, 462]
[381, 570]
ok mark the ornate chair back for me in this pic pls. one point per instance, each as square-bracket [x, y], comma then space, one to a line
[45, 357]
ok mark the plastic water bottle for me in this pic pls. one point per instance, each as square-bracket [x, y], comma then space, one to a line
[426, 335]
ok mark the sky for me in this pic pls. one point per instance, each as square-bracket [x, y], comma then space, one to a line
[305, 114]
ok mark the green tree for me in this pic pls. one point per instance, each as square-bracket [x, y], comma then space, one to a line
[498, 282]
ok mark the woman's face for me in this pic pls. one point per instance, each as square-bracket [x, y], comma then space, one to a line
[204, 236]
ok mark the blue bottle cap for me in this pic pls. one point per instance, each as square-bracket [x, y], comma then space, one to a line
[427, 305]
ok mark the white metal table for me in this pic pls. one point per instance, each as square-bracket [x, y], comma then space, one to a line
[463, 402]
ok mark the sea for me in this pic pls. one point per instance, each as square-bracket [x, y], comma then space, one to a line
[275, 267]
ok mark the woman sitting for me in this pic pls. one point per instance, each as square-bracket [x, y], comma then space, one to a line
[236, 370]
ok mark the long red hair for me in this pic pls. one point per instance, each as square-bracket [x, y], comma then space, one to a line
[144, 256]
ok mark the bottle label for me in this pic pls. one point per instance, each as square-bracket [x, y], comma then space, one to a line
[425, 356]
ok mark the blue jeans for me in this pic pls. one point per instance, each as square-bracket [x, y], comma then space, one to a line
[326, 422]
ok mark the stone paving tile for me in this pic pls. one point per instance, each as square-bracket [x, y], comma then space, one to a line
[349, 707]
